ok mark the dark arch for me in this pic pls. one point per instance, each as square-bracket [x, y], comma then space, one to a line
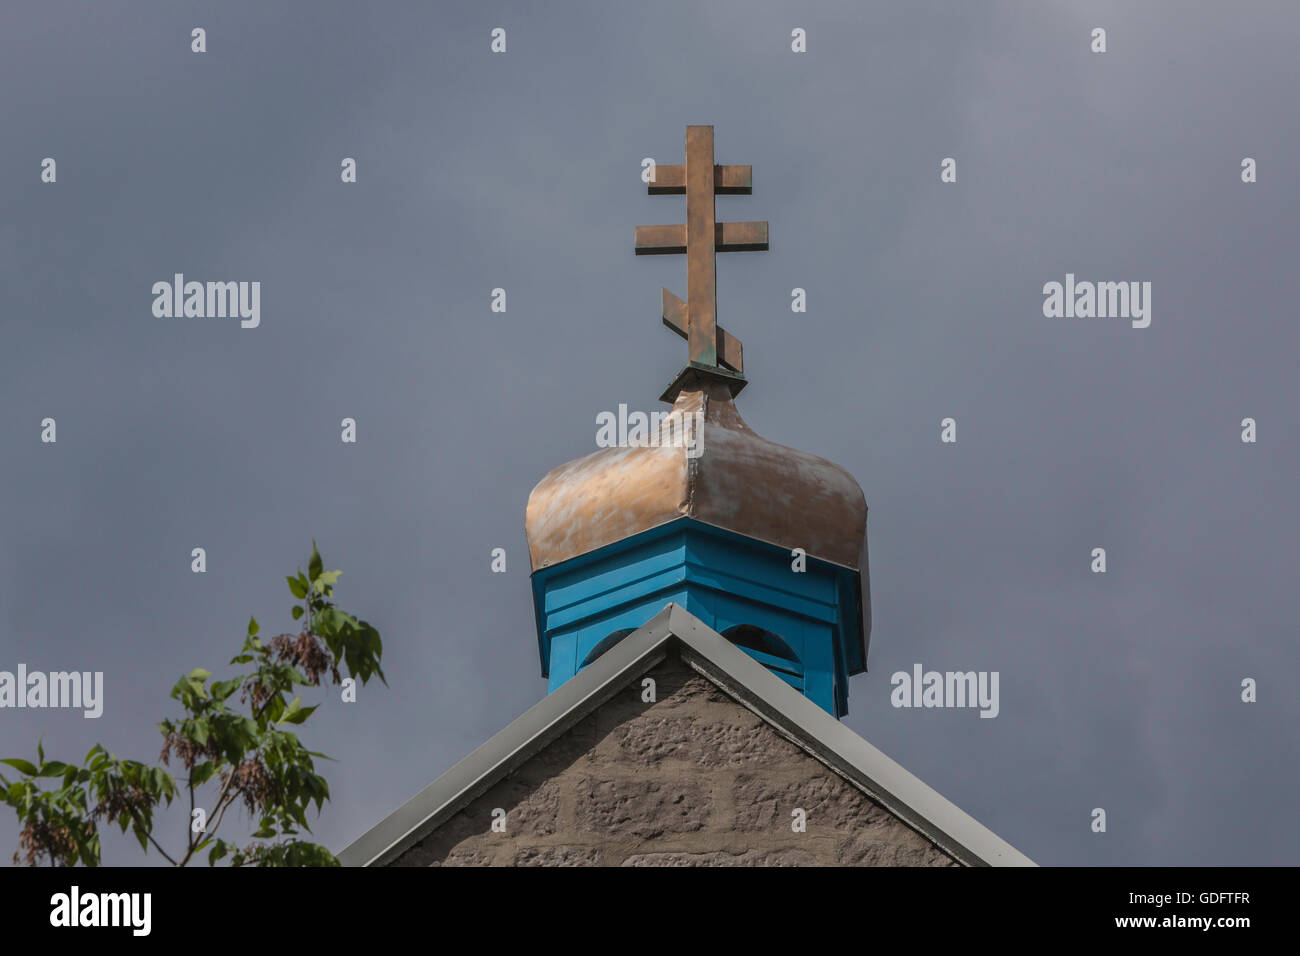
[756, 639]
[605, 644]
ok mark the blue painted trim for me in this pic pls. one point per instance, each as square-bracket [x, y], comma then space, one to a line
[725, 579]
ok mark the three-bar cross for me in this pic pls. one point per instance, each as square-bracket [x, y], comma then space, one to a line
[700, 239]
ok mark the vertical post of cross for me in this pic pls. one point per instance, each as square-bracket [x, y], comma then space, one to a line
[713, 352]
[701, 260]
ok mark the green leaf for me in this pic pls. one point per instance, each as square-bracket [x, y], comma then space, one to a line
[55, 768]
[224, 688]
[326, 580]
[199, 674]
[252, 626]
[297, 611]
[296, 714]
[40, 750]
[315, 565]
[304, 713]
[22, 765]
[296, 587]
[217, 852]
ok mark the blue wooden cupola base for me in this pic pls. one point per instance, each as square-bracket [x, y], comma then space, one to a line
[804, 626]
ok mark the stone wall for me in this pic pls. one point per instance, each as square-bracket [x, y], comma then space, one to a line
[694, 779]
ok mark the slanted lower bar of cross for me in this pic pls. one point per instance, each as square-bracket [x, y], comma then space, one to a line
[700, 239]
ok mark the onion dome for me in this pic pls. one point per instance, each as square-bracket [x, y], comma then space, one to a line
[719, 472]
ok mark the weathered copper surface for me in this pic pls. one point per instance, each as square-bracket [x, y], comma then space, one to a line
[727, 237]
[701, 238]
[701, 229]
[692, 376]
[740, 482]
[730, 354]
[727, 181]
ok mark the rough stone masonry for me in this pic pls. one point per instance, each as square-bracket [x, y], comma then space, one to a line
[694, 779]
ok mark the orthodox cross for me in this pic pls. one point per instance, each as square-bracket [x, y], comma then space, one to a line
[710, 347]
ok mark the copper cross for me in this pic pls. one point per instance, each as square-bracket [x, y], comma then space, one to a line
[701, 238]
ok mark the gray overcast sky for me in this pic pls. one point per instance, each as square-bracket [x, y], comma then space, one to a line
[522, 171]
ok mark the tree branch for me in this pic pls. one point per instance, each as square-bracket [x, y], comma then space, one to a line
[149, 834]
[218, 809]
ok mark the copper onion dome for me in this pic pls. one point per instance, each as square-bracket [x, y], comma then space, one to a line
[739, 482]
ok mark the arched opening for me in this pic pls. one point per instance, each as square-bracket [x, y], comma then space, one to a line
[605, 644]
[757, 639]
[769, 650]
